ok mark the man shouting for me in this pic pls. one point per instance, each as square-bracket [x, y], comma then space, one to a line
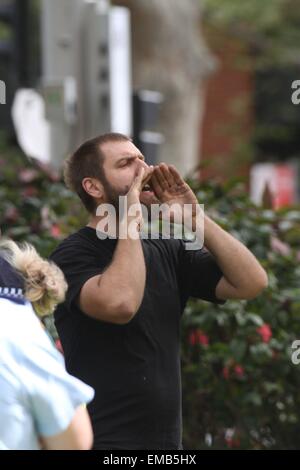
[120, 323]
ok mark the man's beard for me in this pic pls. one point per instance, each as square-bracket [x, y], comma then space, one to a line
[115, 197]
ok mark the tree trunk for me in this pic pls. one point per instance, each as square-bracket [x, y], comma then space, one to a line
[170, 56]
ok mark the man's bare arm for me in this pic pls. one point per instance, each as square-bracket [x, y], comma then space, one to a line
[243, 276]
[116, 295]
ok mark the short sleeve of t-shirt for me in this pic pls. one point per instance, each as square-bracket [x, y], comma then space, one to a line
[53, 394]
[199, 273]
[79, 263]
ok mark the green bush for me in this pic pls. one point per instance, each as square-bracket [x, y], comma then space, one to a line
[36, 207]
[35, 204]
[240, 388]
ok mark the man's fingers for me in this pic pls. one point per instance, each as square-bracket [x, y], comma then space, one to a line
[161, 178]
[138, 180]
[167, 174]
[176, 175]
[149, 175]
[156, 186]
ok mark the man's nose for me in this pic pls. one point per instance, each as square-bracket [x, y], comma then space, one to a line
[144, 164]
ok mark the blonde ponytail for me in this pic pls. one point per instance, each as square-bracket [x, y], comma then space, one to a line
[44, 283]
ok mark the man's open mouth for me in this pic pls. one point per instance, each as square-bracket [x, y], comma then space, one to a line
[147, 188]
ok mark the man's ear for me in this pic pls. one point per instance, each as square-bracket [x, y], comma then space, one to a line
[93, 187]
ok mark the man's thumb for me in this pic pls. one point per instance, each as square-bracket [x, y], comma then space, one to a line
[137, 182]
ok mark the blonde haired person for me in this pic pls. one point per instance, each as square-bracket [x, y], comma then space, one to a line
[41, 405]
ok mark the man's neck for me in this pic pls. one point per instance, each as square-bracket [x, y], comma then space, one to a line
[93, 222]
[104, 225]
[109, 227]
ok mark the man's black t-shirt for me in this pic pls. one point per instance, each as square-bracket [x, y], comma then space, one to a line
[134, 368]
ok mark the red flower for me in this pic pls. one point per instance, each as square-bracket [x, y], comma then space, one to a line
[265, 332]
[55, 231]
[202, 338]
[225, 372]
[231, 442]
[198, 337]
[192, 338]
[232, 439]
[30, 191]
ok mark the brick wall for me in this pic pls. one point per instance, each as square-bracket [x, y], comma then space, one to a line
[228, 110]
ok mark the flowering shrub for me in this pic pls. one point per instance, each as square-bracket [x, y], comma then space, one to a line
[35, 204]
[240, 387]
[36, 207]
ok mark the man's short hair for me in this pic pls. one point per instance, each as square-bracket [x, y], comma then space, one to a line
[87, 161]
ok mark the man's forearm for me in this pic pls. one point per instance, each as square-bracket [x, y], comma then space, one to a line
[239, 266]
[127, 272]
[243, 277]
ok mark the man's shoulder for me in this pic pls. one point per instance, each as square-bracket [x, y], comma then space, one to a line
[67, 243]
[82, 238]
[80, 247]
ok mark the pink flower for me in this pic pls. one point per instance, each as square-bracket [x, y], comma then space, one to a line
[239, 370]
[28, 175]
[11, 214]
[265, 332]
[55, 231]
[280, 247]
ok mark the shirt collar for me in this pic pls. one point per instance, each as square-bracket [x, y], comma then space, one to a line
[11, 283]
